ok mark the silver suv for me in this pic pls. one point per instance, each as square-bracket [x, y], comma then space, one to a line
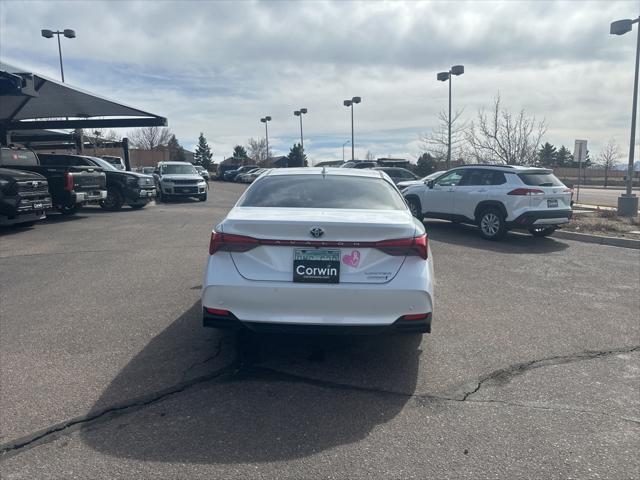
[179, 179]
[496, 198]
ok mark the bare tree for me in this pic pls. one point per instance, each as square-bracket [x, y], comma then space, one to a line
[150, 138]
[437, 141]
[500, 136]
[608, 157]
[370, 156]
[257, 150]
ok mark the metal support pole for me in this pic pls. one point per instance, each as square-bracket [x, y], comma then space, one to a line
[125, 151]
[632, 142]
[353, 149]
[266, 133]
[449, 143]
[301, 137]
[60, 55]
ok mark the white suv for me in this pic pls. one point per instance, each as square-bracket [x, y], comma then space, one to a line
[496, 198]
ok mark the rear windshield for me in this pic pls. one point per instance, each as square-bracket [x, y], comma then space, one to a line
[318, 191]
[17, 157]
[540, 179]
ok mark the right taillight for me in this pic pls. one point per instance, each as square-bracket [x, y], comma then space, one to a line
[68, 181]
[226, 242]
[526, 191]
[416, 246]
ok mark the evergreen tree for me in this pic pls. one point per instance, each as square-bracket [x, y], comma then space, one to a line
[563, 157]
[240, 153]
[547, 155]
[176, 152]
[203, 156]
[297, 157]
[426, 165]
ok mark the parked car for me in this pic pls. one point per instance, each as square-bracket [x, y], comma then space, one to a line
[319, 250]
[240, 178]
[24, 197]
[117, 162]
[179, 179]
[359, 164]
[148, 170]
[222, 169]
[70, 186]
[496, 198]
[251, 176]
[203, 172]
[431, 176]
[398, 174]
[230, 175]
[132, 188]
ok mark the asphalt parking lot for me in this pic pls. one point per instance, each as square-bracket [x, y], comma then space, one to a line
[532, 369]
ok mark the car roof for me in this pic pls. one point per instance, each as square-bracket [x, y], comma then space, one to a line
[353, 172]
[174, 163]
[505, 168]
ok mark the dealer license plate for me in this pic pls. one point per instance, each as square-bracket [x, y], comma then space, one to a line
[552, 203]
[316, 266]
[37, 206]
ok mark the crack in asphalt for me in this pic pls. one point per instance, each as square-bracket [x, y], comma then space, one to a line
[243, 368]
[504, 375]
[213, 356]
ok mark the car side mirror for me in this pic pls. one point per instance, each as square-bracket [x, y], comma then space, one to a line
[430, 183]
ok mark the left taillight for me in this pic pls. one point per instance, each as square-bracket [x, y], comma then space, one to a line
[415, 246]
[226, 242]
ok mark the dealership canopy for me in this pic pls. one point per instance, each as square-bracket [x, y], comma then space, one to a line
[30, 101]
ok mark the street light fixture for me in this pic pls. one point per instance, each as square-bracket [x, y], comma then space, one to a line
[266, 131]
[343, 145]
[628, 202]
[443, 77]
[350, 103]
[68, 33]
[299, 113]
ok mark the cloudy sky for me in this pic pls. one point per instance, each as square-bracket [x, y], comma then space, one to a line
[217, 67]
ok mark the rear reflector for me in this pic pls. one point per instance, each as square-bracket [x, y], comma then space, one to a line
[226, 242]
[526, 191]
[416, 316]
[217, 311]
[68, 181]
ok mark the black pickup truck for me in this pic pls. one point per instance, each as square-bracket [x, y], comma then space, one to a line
[70, 187]
[132, 188]
[24, 197]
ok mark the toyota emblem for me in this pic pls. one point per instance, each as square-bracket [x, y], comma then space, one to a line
[316, 232]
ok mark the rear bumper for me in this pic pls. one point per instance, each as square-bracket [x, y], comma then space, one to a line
[542, 217]
[91, 196]
[231, 322]
[342, 306]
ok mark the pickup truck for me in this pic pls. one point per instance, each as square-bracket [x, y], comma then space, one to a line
[134, 189]
[70, 187]
[24, 197]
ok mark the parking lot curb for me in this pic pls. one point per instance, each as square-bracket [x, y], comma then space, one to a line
[600, 239]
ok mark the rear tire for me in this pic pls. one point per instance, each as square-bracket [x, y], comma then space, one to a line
[542, 231]
[69, 209]
[138, 206]
[492, 224]
[114, 200]
[415, 207]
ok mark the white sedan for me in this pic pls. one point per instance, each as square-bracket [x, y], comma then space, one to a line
[319, 250]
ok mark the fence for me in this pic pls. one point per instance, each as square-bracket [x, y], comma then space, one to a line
[595, 176]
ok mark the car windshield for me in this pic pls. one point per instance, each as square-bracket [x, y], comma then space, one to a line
[545, 179]
[322, 191]
[178, 169]
[104, 164]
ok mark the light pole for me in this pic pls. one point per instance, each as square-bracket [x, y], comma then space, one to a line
[299, 113]
[348, 141]
[266, 131]
[628, 202]
[443, 77]
[67, 33]
[350, 103]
